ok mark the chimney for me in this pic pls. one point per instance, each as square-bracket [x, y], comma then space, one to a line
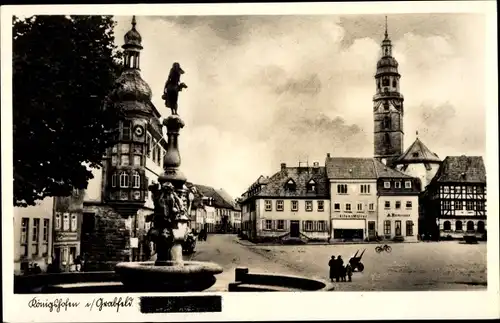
[328, 155]
[283, 166]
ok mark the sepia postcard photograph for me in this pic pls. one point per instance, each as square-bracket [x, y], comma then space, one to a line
[214, 159]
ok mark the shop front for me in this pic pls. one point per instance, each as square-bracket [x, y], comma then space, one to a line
[401, 226]
[349, 227]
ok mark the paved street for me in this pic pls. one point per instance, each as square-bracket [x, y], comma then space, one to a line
[446, 265]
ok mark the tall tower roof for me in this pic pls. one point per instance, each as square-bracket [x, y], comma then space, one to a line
[387, 63]
[132, 39]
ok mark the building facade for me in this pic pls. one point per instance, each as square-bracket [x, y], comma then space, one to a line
[293, 204]
[388, 108]
[33, 236]
[455, 199]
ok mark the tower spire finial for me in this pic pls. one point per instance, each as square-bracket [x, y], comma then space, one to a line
[417, 134]
[386, 34]
[135, 23]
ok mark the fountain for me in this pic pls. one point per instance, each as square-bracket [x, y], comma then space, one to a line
[172, 206]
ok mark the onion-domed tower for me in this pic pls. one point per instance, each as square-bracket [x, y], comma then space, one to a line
[126, 185]
[387, 106]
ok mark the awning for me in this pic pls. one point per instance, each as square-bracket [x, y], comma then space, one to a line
[348, 224]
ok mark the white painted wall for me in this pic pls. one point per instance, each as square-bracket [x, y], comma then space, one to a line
[93, 193]
[403, 214]
[419, 171]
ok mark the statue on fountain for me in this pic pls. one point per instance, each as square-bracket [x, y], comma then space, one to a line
[172, 87]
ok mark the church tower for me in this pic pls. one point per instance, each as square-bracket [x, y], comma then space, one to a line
[387, 106]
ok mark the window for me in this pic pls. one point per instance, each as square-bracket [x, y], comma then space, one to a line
[73, 222]
[311, 186]
[408, 205]
[281, 224]
[24, 236]
[125, 160]
[446, 189]
[321, 206]
[409, 228]
[371, 207]
[137, 160]
[126, 125]
[446, 205]
[114, 150]
[387, 204]
[66, 221]
[336, 206]
[36, 236]
[295, 205]
[387, 184]
[159, 155]
[447, 226]
[309, 206]
[124, 180]
[387, 227]
[407, 184]
[341, 189]
[148, 145]
[398, 204]
[154, 149]
[387, 139]
[114, 160]
[269, 224]
[387, 122]
[136, 179]
[348, 207]
[470, 226]
[469, 205]
[458, 190]
[321, 226]
[365, 189]
[279, 205]
[459, 206]
[138, 149]
[113, 180]
[469, 189]
[125, 148]
[58, 221]
[45, 237]
[458, 226]
[290, 186]
[480, 205]
[481, 227]
[397, 227]
[269, 205]
[397, 184]
[360, 207]
[394, 83]
[385, 80]
[308, 225]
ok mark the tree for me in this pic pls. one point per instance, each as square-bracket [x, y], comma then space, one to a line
[64, 68]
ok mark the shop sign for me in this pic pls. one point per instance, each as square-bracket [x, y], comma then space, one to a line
[394, 215]
[351, 216]
[66, 236]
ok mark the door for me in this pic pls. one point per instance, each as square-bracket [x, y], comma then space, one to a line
[398, 228]
[371, 229]
[57, 258]
[294, 229]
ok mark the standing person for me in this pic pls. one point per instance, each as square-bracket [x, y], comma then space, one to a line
[78, 263]
[332, 264]
[348, 269]
[340, 267]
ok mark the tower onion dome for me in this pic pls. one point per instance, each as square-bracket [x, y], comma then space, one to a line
[387, 61]
[130, 86]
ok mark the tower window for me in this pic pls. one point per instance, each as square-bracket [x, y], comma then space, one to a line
[124, 178]
[394, 83]
[385, 81]
[126, 128]
[387, 139]
[387, 122]
[136, 180]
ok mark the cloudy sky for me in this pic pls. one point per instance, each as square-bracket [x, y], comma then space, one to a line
[270, 89]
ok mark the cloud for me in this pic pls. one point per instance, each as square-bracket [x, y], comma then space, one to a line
[270, 89]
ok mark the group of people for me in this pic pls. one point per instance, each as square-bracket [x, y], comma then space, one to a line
[338, 271]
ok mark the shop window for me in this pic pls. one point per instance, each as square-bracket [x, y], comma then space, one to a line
[409, 228]
[458, 226]
[308, 226]
[269, 205]
[279, 205]
[281, 224]
[447, 226]
[322, 226]
[269, 224]
[470, 226]
[398, 227]
[387, 228]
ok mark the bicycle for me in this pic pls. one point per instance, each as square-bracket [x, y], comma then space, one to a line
[385, 248]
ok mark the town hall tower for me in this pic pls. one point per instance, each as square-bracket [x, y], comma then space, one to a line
[387, 106]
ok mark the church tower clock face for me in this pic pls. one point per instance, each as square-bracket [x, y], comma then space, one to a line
[139, 131]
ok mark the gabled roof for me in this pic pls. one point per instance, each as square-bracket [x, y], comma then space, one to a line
[276, 186]
[417, 153]
[462, 169]
[359, 168]
[227, 197]
[218, 200]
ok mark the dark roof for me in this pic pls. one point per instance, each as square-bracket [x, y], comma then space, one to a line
[462, 169]
[301, 176]
[218, 201]
[228, 198]
[359, 168]
[417, 153]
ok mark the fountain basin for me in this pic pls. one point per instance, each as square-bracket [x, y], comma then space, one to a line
[167, 276]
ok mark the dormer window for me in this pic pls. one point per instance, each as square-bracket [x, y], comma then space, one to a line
[415, 154]
[290, 186]
[311, 186]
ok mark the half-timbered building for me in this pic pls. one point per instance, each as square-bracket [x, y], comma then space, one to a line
[455, 199]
